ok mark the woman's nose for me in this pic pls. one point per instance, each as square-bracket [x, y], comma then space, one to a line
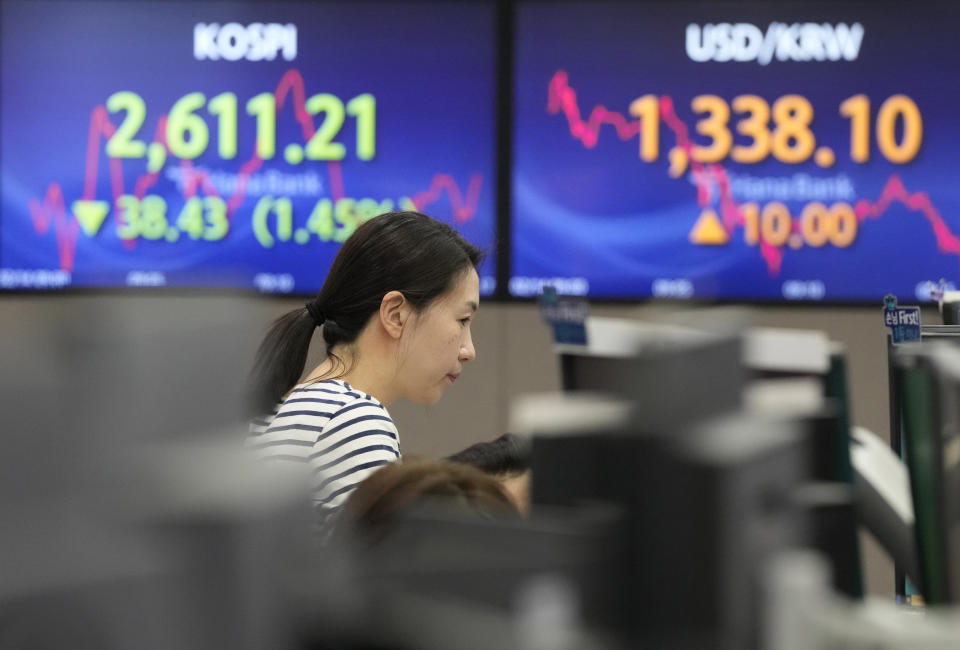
[467, 351]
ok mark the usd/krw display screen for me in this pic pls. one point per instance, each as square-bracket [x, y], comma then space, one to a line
[758, 151]
[228, 144]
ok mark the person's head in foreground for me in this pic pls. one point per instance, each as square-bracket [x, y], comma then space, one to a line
[507, 459]
[384, 496]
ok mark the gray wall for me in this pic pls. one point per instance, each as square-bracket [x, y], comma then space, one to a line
[514, 357]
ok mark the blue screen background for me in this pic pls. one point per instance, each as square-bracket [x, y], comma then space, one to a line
[614, 226]
[432, 79]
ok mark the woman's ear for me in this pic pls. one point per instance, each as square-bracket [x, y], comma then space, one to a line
[394, 311]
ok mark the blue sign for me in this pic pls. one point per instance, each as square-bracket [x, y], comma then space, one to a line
[566, 314]
[904, 322]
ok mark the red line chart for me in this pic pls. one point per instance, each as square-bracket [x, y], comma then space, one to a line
[464, 207]
[52, 211]
[561, 97]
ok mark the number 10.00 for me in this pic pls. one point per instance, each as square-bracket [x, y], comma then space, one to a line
[818, 225]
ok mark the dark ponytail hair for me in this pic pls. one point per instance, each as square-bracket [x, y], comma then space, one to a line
[398, 251]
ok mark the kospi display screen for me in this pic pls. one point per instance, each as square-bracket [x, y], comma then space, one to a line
[235, 144]
[743, 151]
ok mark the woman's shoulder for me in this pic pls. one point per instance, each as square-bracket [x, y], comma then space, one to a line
[328, 391]
[332, 397]
[313, 411]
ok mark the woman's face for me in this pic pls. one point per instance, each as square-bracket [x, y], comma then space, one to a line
[439, 342]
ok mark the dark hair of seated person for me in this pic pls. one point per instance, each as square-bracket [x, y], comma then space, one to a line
[507, 455]
[382, 498]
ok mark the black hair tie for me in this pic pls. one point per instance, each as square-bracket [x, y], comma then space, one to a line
[316, 314]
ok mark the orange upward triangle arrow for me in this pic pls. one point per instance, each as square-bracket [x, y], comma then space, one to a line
[708, 230]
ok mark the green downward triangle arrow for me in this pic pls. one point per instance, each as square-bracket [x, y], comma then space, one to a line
[90, 214]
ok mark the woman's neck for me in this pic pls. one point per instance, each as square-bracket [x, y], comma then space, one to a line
[372, 378]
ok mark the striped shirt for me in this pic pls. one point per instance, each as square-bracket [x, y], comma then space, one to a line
[344, 435]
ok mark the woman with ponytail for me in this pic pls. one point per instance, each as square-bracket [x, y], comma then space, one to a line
[395, 313]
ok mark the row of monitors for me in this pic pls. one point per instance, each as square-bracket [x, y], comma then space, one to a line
[701, 150]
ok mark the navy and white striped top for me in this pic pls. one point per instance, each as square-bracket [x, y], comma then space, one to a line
[343, 434]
